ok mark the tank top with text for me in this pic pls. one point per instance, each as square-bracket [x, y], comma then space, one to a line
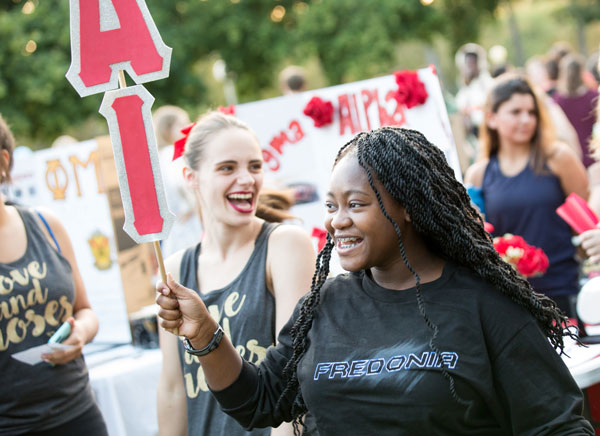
[245, 309]
[37, 295]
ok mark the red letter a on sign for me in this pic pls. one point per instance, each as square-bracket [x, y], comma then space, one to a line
[112, 35]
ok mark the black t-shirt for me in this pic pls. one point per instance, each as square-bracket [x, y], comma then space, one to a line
[369, 368]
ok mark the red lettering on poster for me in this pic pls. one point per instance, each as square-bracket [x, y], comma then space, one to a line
[355, 106]
[279, 141]
[368, 97]
[271, 160]
[138, 167]
[296, 130]
[131, 42]
[292, 136]
[397, 118]
[345, 115]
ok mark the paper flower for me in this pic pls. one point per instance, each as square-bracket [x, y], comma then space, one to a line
[320, 111]
[529, 261]
[411, 91]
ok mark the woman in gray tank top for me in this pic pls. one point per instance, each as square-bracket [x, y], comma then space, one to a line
[41, 288]
[238, 269]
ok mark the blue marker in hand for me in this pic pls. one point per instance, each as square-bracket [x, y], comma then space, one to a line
[61, 334]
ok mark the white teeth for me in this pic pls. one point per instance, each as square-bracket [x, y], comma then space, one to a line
[240, 196]
[348, 242]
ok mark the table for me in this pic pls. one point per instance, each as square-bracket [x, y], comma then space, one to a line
[584, 364]
[125, 381]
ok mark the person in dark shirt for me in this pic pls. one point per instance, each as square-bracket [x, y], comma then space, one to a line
[241, 268]
[577, 101]
[41, 288]
[429, 332]
[524, 175]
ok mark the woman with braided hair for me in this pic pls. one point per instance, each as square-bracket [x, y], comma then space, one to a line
[429, 332]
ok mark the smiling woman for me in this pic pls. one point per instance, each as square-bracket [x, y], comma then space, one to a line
[524, 175]
[238, 270]
[362, 234]
[429, 332]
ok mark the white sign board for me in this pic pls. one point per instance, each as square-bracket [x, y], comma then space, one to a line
[299, 154]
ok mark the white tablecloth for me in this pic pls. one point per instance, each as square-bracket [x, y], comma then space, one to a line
[584, 364]
[125, 381]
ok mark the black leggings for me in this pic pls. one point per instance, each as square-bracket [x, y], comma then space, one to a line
[89, 423]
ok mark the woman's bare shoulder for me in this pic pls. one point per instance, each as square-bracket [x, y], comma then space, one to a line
[474, 174]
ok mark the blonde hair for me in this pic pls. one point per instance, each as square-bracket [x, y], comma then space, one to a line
[164, 119]
[7, 142]
[272, 204]
[542, 142]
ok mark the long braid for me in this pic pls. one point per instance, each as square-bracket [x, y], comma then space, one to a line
[299, 333]
[415, 173]
[441, 212]
[420, 303]
[302, 325]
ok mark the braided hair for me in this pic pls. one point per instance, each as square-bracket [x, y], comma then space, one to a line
[415, 173]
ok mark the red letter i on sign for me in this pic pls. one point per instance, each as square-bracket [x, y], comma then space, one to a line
[127, 111]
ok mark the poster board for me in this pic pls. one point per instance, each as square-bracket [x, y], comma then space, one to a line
[298, 154]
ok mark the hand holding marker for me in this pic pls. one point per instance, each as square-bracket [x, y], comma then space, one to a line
[61, 334]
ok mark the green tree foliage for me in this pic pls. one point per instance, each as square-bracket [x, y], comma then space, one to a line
[355, 39]
[586, 10]
[35, 97]
[352, 39]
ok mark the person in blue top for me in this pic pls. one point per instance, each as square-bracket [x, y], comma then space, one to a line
[525, 175]
[429, 332]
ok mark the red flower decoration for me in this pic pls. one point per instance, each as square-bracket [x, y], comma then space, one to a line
[503, 243]
[227, 110]
[529, 261]
[179, 146]
[533, 262]
[320, 111]
[321, 235]
[411, 91]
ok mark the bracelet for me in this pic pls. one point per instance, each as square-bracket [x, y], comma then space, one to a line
[212, 345]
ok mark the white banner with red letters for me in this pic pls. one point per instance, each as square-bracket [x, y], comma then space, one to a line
[301, 155]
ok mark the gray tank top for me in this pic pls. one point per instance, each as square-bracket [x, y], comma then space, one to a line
[36, 296]
[246, 310]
